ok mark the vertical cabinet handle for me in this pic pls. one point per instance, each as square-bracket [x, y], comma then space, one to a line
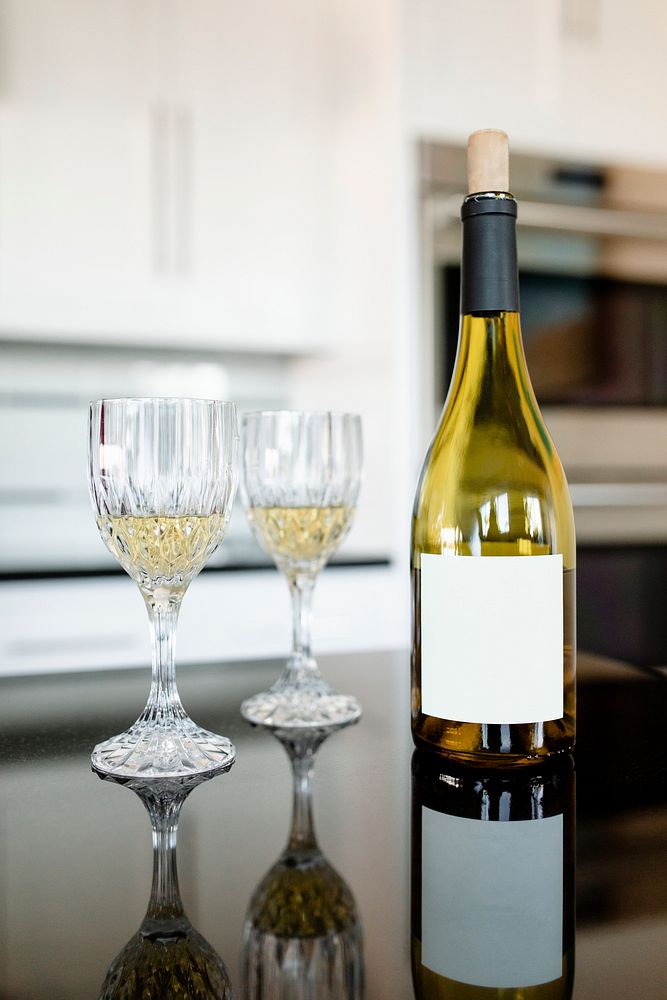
[171, 144]
[159, 184]
[183, 190]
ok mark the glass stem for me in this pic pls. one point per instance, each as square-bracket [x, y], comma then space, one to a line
[301, 589]
[302, 833]
[163, 701]
[165, 903]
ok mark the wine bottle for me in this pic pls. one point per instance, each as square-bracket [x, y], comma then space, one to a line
[492, 881]
[493, 544]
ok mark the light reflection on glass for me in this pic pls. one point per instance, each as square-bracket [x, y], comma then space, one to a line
[485, 517]
[533, 512]
[501, 507]
[451, 538]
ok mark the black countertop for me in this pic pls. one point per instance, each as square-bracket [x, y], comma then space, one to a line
[75, 852]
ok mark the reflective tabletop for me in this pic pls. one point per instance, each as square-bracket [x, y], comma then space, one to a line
[298, 862]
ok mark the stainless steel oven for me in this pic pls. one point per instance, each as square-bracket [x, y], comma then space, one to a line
[593, 264]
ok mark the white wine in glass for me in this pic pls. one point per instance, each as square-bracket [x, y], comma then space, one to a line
[301, 480]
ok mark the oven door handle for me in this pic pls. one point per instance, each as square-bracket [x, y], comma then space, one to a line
[619, 495]
[584, 219]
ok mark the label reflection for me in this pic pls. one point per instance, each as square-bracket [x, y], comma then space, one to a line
[492, 881]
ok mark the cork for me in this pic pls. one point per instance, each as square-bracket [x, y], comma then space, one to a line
[488, 161]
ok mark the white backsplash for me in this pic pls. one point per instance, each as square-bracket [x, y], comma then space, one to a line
[46, 521]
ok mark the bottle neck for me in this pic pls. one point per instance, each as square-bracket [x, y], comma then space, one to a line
[490, 351]
[489, 273]
[490, 369]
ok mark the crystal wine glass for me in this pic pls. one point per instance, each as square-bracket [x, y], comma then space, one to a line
[162, 481]
[301, 479]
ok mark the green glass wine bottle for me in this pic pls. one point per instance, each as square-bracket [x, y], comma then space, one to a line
[493, 541]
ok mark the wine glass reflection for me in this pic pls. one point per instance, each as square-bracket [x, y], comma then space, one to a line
[302, 937]
[166, 957]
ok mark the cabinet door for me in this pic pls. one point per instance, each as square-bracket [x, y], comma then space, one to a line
[613, 77]
[162, 172]
[250, 85]
[584, 78]
[475, 64]
[75, 205]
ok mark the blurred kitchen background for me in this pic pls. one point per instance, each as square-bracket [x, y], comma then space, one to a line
[259, 202]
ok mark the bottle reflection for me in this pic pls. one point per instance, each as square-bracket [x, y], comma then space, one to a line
[167, 957]
[492, 882]
[302, 937]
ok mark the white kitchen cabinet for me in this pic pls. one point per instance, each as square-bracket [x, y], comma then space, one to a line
[582, 78]
[468, 60]
[249, 81]
[613, 81]
[73, 226]
[74, 197]
[161, 173]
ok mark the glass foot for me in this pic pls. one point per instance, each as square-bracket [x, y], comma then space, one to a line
[305, 706]
[170, 749]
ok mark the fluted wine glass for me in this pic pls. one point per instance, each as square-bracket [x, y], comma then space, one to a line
[301, 480]
[162, 477]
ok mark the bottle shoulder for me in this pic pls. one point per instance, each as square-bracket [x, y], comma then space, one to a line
[491, 483]
[480, 448]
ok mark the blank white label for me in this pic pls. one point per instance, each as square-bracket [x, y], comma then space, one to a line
[492, 638]
[492, 900]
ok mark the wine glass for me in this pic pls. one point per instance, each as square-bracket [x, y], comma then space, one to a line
[162, 477]
[301, 479]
